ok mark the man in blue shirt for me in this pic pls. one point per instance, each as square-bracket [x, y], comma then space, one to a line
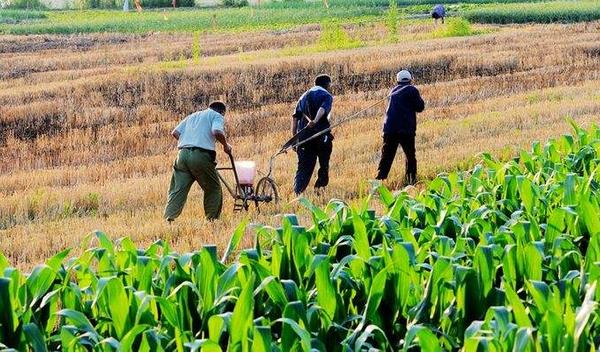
[310, 117]
[438, 12]
[400, 127]
[196, 136]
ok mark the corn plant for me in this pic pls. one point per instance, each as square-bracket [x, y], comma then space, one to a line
[503, 257]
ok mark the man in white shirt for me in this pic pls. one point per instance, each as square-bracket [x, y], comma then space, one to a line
[196, 161]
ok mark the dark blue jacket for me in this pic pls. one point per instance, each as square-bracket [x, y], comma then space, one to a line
[401, 115]
[309, 104]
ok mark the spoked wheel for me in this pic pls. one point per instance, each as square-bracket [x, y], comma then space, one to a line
[266, 191]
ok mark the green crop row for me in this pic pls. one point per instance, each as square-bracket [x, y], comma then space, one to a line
[547, 12]
[503, 257]
[226, 19]
[12, 16]
[380, 3]
[273, 15]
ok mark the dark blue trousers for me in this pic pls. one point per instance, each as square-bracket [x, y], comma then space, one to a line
[308, 154]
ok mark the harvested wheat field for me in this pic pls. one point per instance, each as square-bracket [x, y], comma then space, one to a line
[85, 119]
[495, 245]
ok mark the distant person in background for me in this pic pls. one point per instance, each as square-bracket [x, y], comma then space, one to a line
[126, 5]
[196, 161]
[311, 117]
[138, 5]
[400, 127]
[438, 12]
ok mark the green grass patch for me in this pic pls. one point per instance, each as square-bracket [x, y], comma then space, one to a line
[547, 12]
[455, 27]
[227, 19]
[12, 16]
[333, 36]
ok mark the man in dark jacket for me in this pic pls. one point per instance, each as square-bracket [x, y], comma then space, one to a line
[400, 127]
[311, 116]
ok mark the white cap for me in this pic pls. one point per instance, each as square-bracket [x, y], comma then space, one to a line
[404, 76]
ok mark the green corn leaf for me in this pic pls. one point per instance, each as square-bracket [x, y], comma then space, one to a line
[317, 213]
[552, 327]
[484, 264]
[375, 295]
[168, 311]
[241, 319]
[555, 226]
[326, 294]
[585, 312]
[105, 241]
[3, 263]
[69, 340]
[206, 279]
[129, 338]
[261, 339]
[80, 321]
[294, 311]
[39, 282]
[385, 196]
[217, 325]
[210, 346]
[590, 212]
[402, 265]
[35, 337]
[570, 195]
[228, 279]
[301, 254]
[510, 264]
[524, 340]
[427, 340]
[361, 239]
[371, 331]
[533, 262]
[539, 291]
[300, 332]
[274, 289]
[111, 342]
[151, 342]
[235, 240]
[477, 344]
[502, 316]
[518, 308]
[55, 261]
[527, 195]
[118, 305]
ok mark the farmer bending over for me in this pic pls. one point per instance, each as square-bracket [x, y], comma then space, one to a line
[310, 117]
[196, 136]
[400, 126]
[438, 12]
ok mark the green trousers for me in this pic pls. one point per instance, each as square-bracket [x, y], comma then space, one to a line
[194, 166]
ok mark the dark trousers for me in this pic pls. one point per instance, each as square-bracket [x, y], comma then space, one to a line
[307, 160]
[388, 152]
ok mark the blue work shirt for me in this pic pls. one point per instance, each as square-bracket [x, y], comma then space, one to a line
[439, 10]
[199, 128]
[401, 114]
[309, 104]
